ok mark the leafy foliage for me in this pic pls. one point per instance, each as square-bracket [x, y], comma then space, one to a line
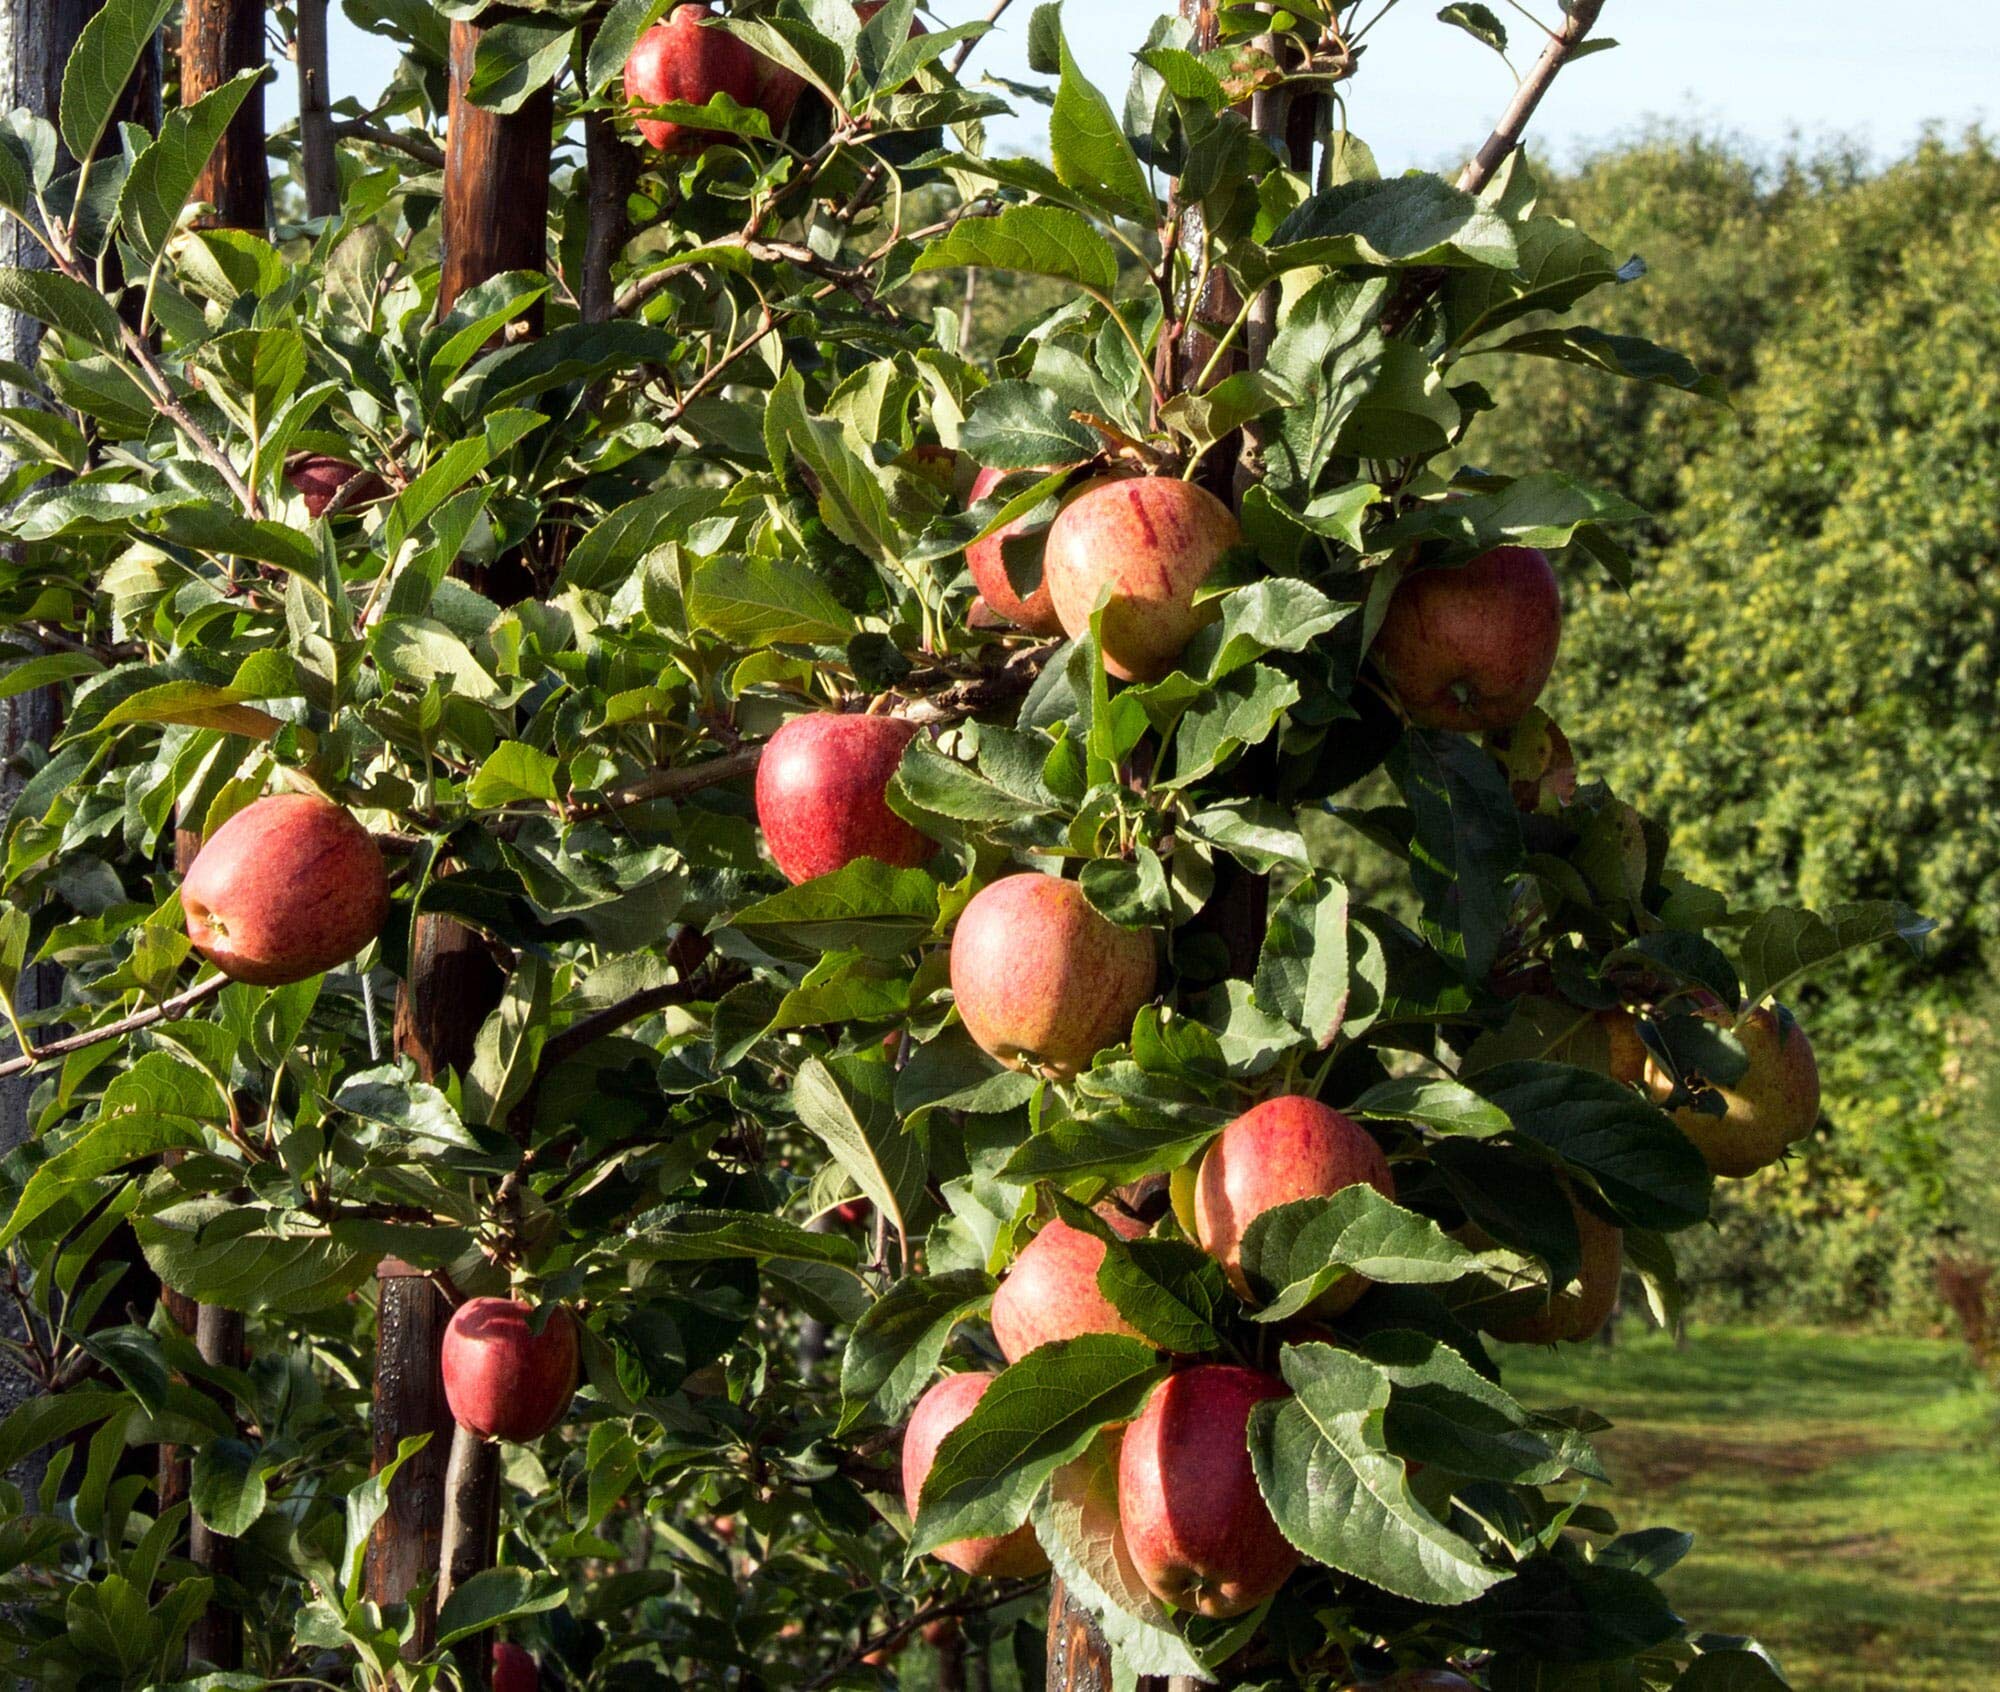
[603, 562]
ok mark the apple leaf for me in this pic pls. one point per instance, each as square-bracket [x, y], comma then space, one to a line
[1467, 843]
[226, 1486]
[865, 907]
[1442, 1411]
[1647, 1169]
[1784, 944]
[1035, 1417]
[493, 1596]
[1444, 1107]
[1077, 1524]
[1302, 971]
[1630, 356]
[893, 1353]
[703, 1236]
[1341, 1496]
[1297, 1251]
[244, 1257]
[1023, 426]
[1407, 220]
[849, 1105]
[1171, 1291]
[1033, 241]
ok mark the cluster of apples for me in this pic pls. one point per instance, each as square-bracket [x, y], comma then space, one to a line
[683, 61]
[1193, 1521]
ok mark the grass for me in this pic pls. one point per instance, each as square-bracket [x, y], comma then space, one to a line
[1843, 1491]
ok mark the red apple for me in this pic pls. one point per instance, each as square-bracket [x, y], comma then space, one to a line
[1198, 1530]
[987, 560]
[820, 788]
[1051, 1292]
[285, 889]
[937, 1413]
[853, 1212]
[1042, 981]
[318, 476]
[1470, 648]
[1772, 1105]
[1150, 542]
[501, 1379]
[513, 1669]
[1285, 1149]
[683, 61]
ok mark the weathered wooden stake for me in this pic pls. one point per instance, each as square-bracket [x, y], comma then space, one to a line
[318, 163]
[218, 39]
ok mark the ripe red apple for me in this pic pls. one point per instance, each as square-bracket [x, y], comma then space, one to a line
[820, 788]
[285, 889]
[987, 560]
[1198, 1530]
[937, 1413]
[853, 1212]
[501, 1379]
[1051, 1291]
[1151, 541]
[318, 476]
[683, 61]
[1575, 1312]
[1470, 648]
[1285, 1149]
[1042, 981]
[1773, 1104]
[513, 1669]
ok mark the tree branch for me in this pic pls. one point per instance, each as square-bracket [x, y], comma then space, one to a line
[1514, 123]
[419, 147]
[989, 1599]
[167, 1010]
[953, 704]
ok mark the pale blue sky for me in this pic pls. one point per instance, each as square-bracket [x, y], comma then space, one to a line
[1763, 69]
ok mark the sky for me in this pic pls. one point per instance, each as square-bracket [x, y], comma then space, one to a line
[1768, 71]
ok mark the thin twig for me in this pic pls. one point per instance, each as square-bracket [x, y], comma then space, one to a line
[416, 146]
[167, 1010]
[990, 1599]
[1513, 124]
[965, 47]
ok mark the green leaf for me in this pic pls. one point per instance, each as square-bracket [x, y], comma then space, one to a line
[849, 1105]
[56, 300]
[1544, 510]
[493, 1596]
[1293, 1254]
[852, 500]
[517, 57]
[513, 771]
[1077, 1524]
[1035, 1417]
[1108, 1148]
[242, 1257]
[226, 1486]
[1408, 220]
[1477, 21]
[866, 907]
[390, 1099]
[1467, 845]
[1445, 1107]
[1173, 1292]
[1023, 426]
[756, 602]
[1302, 971]
[1340, 1495]
[101, 63]
[1090, 152]
[1630, 356]
[626, 21]
[1033, 240]
[707, 1236]
[1647, 1169]
[366, 1505]
[1786, 943]
[164, 175]
[893, 1352]
[108, 1144]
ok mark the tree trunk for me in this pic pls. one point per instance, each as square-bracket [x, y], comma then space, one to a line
[318, 163]
[445, 1519]
[218, 39]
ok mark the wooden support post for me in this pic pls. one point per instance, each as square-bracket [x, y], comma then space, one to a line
[217, 1634]
[471, 1536]
[444, 1508]
[218, 39]
[403, 1552]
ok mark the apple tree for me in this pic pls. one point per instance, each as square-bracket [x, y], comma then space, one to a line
[711, 1016]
